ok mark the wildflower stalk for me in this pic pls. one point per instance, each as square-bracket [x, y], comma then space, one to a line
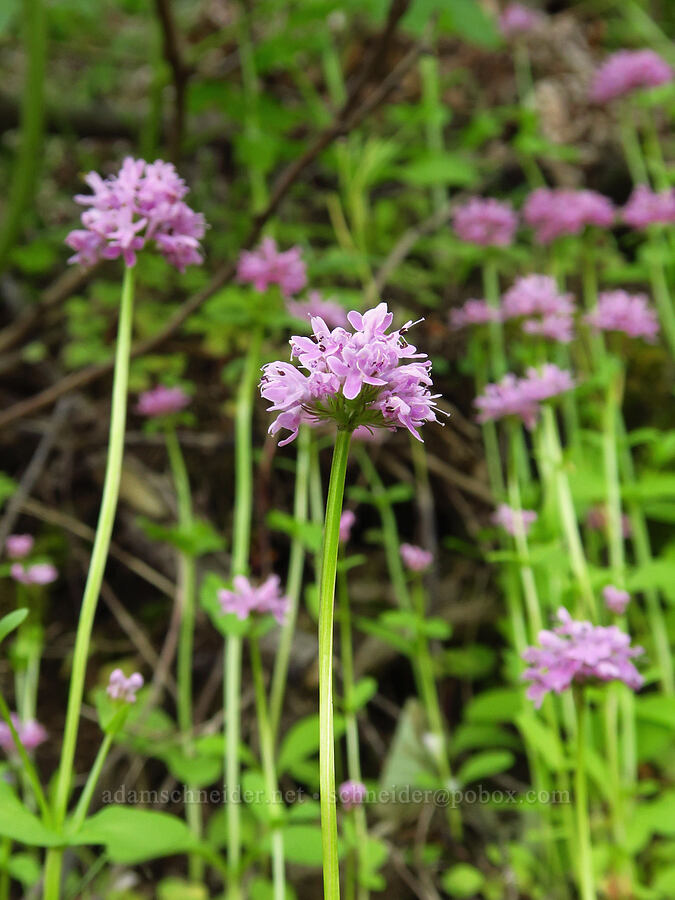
[661, 291]
[354, 888]
[84, 802]
[585, 870]
[630, 141]
[294, 582]
[266, 736]
[241, 538]
[186, 589]
[331, 543]
[495, 330]
[27, 764]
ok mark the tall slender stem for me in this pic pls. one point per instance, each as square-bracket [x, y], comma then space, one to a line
[496, 332]
[331, 543]
[586, 882]
[269, 771]
[241, 539]
[294, 582]
[662, 297]
[84, 802]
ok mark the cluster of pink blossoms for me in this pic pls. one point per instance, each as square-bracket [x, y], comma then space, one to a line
[522, 397]
[353, 378]
[546, 312]
[267, 265]
[629, 313]
[347, 520]
[554, 212]
[162, 401]
[474, 312]
[416, 559]
[647, 207]
[35, 574]
[246, 599]
[31, 734]
[18, 546]
[517, 19]
[615, 599]
[142, 203]
[578, 652]
[352, 793]
[511, 520]
[331, 312]
[122, 688]
[485, 221]
[627, 71]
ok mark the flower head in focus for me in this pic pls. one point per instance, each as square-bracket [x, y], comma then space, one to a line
[143, 203]
[554, 212]
[416, 559]
[267, 265]
[347, 520]
[473, 312]
[627, 71]
[522, 397]
[647, 207]
[485, 221]
[615, 599]
[351, 378]
[579, 652]
[331, 312]
[122, 688]
[512, 519]
[162, 401]
[246, 599]
[544, 310]
[517, 19]
[18, 546]
[36, 574]
[352, 793]
[31, 734]
[629, 313]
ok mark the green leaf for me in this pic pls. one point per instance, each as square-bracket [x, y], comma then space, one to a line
[543, 739]
[133, 835]
[11, 621]
[195, 539]
[362, 692]
[196, 770]
[178, 889]
[24, 868]
[17, 823]
[302, 741]
[497, 705]
[310, 534]
[226, 624]
[7, 488]
[462, 880]
[439, 168]
[302, 844]
[470, 661]
[471, 737]
[485, 765]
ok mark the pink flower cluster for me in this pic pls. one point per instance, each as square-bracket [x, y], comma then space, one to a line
[267, 265]
[554, 212]
[473, 312]
[627, 71]
[513, 519]
[142, 203]
[546, 312]
[35, 574]
[121, 688]
[416, 559]
[522, 397]
[615, 599]
[162, 401]
[31, 734]
[621, 311]
[353, 378]
[596, 520]
[352, 793]
[647, 207]
[517, 19]
[18, 546]
[485, 221]
[331, 312]
[246, 599]
[347, 520]
[577, 652]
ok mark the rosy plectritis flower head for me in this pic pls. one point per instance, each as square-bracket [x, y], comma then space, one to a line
[331, 312]
[36, 574]
[511, 520]
[545, 312]
[31, 734]
[615, 599]
[18, 546]
[629, 313]
[347, 520]
[353, 378]
[579, 652]
[246, 599]
[473, 312]
[627, 71]
[162, 401]
[352, 793]
[554, 212]
[122, 688]
[416, 559]
[646, 207]
[267, 265]
[522, 397]
[485, 221]
[143, 203]
[517, 19]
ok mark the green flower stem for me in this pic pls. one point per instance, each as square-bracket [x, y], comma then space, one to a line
[496, 332]
[612, 480]
[294, 582]
[5, 854]
[186, 589]
[630, 142]
[24, 175]
[662, 297]
[84, 802]
[434, 113]
[317, 507]
[551, 441]
[586, 881]
[241, 540]
[331, 542]
[266, 736]
[354, 887]
[27, 764]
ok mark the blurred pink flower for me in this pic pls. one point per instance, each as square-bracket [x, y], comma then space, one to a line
[31, 734]
[267, 265]
[629, 70]
[162, 401]
[508, 518]
[331, 312]
[646, 207]
[246, 599]
[629, 313]
[347, 520]
[473, 312]
[416, 558]
[615, 599]
[521, 397]
[517, 19]
[549, 312]
[596, 520]
[19, 545]
[486, 221]
[121, 688]
[38, 573]
[554, 212]
[352, 793]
